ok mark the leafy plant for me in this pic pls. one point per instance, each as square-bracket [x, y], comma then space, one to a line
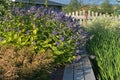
[44, 29]
[23, 63]
[5, 5]
[104, 43]
[69, 8]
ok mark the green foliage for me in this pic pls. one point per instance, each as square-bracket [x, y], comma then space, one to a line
[116, 9]
[42, 28]
[42, 32]
[72, 6]
[4, 5]
[94, 8]
[106, 7]
[104, 43]
[74, 3]
[46, 3]
[25, 31]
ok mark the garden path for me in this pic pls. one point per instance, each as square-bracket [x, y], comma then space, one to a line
[81, 70]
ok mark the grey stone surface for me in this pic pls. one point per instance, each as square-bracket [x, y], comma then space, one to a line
[88, 71]
[81, 70]
[68, 72]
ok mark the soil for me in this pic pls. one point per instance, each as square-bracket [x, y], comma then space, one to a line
[57, 74]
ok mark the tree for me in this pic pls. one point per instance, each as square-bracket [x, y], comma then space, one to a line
[94, 7]
[116, 8]
[72, 6]
[106, 7]
[46, 3]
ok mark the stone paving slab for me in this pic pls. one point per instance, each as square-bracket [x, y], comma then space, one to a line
[88, 71]
[68, 72]
[81, 70]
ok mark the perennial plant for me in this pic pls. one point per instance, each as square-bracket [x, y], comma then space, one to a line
[44, 29]
[105, 45]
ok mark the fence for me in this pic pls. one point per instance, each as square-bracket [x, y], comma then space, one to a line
[85, 16]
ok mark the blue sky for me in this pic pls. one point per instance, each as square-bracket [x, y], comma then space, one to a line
[91, 1]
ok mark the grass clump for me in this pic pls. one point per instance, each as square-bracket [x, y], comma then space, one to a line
[104, 43]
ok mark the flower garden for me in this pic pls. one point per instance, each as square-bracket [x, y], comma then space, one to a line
[34, 40]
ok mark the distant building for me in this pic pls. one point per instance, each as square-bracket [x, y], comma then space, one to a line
[51, 4]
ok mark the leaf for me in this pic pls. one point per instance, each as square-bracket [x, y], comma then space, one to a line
[46, 45]
[15, 36]
[47, 41]
[19, 40]
[58, 52]
[35, 31]
[53, 48]
[42, 50]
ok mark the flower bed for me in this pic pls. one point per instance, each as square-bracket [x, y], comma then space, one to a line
[44, 29]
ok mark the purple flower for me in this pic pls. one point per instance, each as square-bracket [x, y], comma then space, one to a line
[62, 38]
[6, 18]
[57, 43]
[45, 11]
[37, 15]
[28, 32]
[76, 29]
[78, 43]
[22, 12]
[78, 57]
[79, 51]
[17, 10]
[55, 32]
[33, 8]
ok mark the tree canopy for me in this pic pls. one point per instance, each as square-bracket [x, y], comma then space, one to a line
[72, 6]
[106, 7]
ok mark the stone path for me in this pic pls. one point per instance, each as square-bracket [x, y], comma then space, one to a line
[81, 70]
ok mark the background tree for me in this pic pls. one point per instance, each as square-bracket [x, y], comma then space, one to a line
[72, 6]
[116, 8]
[46, 3]
[106, 7]
[94, 7]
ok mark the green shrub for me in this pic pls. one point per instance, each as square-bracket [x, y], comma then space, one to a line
[44, 29]
[104, 43]
[23, 64]
[39, 33]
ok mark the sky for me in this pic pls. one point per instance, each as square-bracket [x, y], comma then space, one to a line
[91, 1]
